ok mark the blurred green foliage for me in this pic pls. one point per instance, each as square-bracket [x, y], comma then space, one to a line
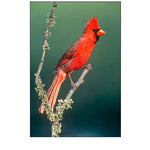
[97, 103]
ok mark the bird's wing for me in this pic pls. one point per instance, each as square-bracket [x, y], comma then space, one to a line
[67, 56]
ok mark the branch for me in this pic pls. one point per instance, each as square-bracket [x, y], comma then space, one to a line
[50, 22]
[80, 81]
[39, 89]
[66, 104]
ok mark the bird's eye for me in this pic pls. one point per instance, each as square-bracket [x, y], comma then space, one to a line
[94, 30]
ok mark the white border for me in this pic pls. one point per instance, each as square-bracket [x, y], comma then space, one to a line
[14, 81]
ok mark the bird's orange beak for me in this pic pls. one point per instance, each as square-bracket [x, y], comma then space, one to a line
[101, 32]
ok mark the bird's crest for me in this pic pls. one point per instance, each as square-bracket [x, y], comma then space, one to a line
[92, 23]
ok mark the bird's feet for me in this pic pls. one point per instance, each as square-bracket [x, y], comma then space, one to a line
[74, 86]
[88, 67]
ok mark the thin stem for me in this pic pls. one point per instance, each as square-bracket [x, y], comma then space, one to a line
[47, 34]
[80, 81]
[38, 81]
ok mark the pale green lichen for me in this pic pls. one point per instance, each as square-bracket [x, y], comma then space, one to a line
[57, 116]
[54, 117]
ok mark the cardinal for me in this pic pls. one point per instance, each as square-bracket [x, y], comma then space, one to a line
[74, 58]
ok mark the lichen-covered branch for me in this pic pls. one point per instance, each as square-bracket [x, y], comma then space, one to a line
[80, 81]
[50, 22]
[55, 116]
[66, 104]
[40, 86]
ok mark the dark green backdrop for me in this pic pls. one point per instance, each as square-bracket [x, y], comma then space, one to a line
[96, 110]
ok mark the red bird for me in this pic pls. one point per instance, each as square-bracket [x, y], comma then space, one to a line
[74, 58]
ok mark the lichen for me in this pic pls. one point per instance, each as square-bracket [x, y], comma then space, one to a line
[54, 117]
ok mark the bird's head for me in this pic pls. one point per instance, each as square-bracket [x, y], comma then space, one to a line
[93, 28]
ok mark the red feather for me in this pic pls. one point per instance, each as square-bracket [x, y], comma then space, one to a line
[74, 58]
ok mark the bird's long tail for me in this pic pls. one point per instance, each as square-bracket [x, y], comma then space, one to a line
[54, 89]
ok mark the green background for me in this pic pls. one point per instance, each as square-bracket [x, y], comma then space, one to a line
[96, 110]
